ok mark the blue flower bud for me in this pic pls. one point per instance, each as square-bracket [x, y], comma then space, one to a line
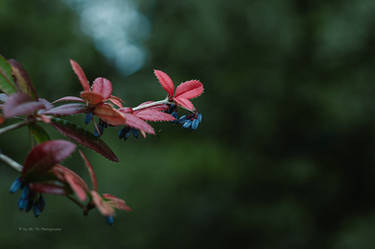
[109, 220]
[41, 203]
[36, 210]
[199, 117]
[22, 203]
[135, 132]
[16, 185]
[182, 119]
[187, 124]
[25, 192]
[195, 124]
[88, 118]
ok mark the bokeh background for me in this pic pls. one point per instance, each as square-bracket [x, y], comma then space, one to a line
[284, 157]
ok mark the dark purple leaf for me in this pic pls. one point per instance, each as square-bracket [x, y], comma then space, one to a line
[83, 137]
[67, 109]
[20, 104]
[45, 155]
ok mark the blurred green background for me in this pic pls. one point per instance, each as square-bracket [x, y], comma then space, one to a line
[284, 157]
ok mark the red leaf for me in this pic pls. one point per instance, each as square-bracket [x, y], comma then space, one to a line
[103, 87]
[20, 104]
[90, 169]
[189, 89]
[116, 202]
[153, 115]
[165, 81]
[185, 103]
[76, 183]
[91, 97]
[103, 207]
[135, 122]
[22, 79]
[45, 155]
[116, 100]
[81, 75]
[1, 119]
[47, 188]
[69, 98]
[83, 137]
[67, 109]
[109, 114]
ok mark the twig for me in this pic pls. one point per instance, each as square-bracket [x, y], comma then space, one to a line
[11, 162]
[160, 102]
[13, 126]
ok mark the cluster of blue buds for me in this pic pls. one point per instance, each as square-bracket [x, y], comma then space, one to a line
[101, 126]
[190, 121]
[28, 199]
[98, 132]
[172, 109]
[127, 131]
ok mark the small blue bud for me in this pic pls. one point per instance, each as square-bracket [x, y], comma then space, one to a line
[187, 124]
[199, 117]
[36, 210]
[182, 119]
[109, 220]
[195, 124]
[16, 185]
[41, 203]
[88, 118]
[135, 132]
[22, 203]
[96, 134]
[25, 192]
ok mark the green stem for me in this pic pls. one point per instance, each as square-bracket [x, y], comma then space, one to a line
[10, 162]
[13, 126]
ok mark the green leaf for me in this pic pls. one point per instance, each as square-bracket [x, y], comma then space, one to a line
[7, 84]
[39, 133]
[83, 137]
[22, 79]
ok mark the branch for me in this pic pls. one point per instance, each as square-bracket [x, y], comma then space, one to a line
[13, 164]
[13, 126]
[160, 102]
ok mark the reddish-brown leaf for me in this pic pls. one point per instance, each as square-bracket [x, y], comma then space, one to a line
[103, 87]
[68, 109]
[103, 207]
[91, 97]
[116, 100]
[165, 81]
[185, 103]
[83, 137]
[76, 183]
[135, 122]
[116, 202]
[81, 75]
[153, 115]
[20, 104]
[189, 89]
[91, 171]
[47, 188]
[109, 114]
[69, 98]
[45, 155]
